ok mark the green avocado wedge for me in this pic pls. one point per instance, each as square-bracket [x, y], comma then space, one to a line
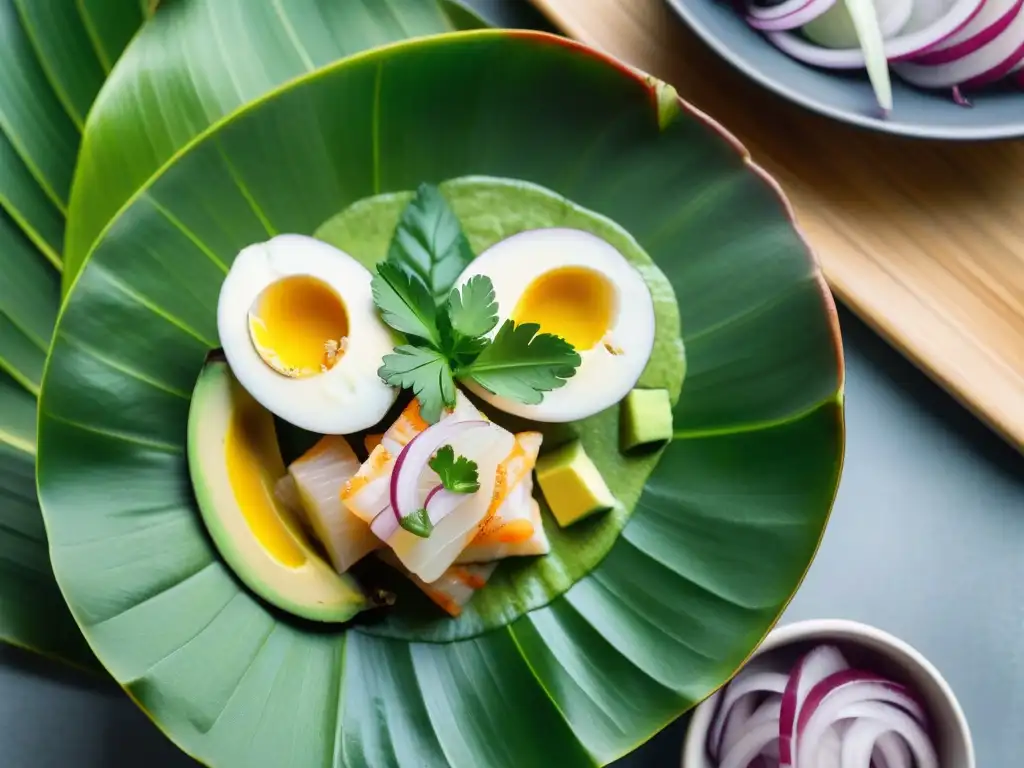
[234, 460]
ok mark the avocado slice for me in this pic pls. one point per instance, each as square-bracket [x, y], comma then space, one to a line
[234, 460]
[572, 485]
[645, 420]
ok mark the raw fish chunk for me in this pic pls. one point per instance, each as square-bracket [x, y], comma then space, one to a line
[514, 526]
[318, 477]
[454, 588]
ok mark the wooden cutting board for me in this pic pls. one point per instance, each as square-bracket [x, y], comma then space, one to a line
[923, 240]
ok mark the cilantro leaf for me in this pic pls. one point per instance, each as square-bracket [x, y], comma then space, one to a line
[429, 242]
[424, 371]
[521, 364]
[458, 475]
[459, 349]
[418, 524]
[473, 311]
[405, 303]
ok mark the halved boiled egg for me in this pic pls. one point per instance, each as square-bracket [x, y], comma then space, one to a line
[301, 333]
[580, 287]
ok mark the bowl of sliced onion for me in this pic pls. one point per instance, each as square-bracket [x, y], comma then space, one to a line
[831, 693]
[944, 69]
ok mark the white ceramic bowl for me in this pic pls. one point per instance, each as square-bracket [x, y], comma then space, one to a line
[872, 649]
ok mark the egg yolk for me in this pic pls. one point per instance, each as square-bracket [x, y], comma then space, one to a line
[575, 303]
[299, 326]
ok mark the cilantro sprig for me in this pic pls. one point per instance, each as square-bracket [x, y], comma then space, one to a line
[418, 523]
[458, 474]
[447, 329]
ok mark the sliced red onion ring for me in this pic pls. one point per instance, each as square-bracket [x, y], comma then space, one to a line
[769, 709]
[901, 47]
[830, 750]
[805, 15]
[835, 28]
[385, 524]
[441, 503]
[415, 457]
[750, 746]
[895, 17]
[782, 10]
[737, 723]
[817, 665]
[859, 742]
[828, 700]
[985, 64]
[743, 685]
[994, 17]
[892, 752]
[924, 13]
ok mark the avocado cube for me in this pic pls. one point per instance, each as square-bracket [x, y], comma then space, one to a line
[572, 485]
[645, 420]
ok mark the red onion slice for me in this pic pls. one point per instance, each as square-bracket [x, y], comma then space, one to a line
[984, 64]
[749, 747]
[829, 701]
[892, 752]
[924, 13]
[895, 17]
[767, 710]
[904, 46]
[994, 17]
[780, 11]
[737, 723]
[829, 753]
[743, 685]
[385, 524]
[876, 719]
[414, 458]
[805, 15]
[440, 503]
[835, 28]
[817, 665]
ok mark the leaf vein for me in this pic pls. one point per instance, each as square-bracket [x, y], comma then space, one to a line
[115, 434]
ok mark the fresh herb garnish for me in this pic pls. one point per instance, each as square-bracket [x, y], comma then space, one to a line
[522, 364]
[418, 524]
[447, 328]
[426, 372]
[458, 475]
[429, 242]
[404, 303]
[473, 311]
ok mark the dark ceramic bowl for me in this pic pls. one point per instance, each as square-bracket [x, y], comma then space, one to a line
[996, 113]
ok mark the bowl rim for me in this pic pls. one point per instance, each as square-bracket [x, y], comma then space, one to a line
[808, 629]
[908, 130]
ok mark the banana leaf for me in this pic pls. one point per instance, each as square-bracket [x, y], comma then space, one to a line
[720, 538]
[32, 611]
[54, 56]
[56, 63]
[208, 59]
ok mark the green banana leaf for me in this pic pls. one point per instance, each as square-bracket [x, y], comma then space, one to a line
[32, 611]
[54, 55]
[58, 62]
[719, 540]
[208, 59]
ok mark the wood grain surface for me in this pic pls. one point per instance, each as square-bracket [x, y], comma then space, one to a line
[924, 240]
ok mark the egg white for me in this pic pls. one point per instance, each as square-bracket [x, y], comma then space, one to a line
[603, 378]
[347, 398]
